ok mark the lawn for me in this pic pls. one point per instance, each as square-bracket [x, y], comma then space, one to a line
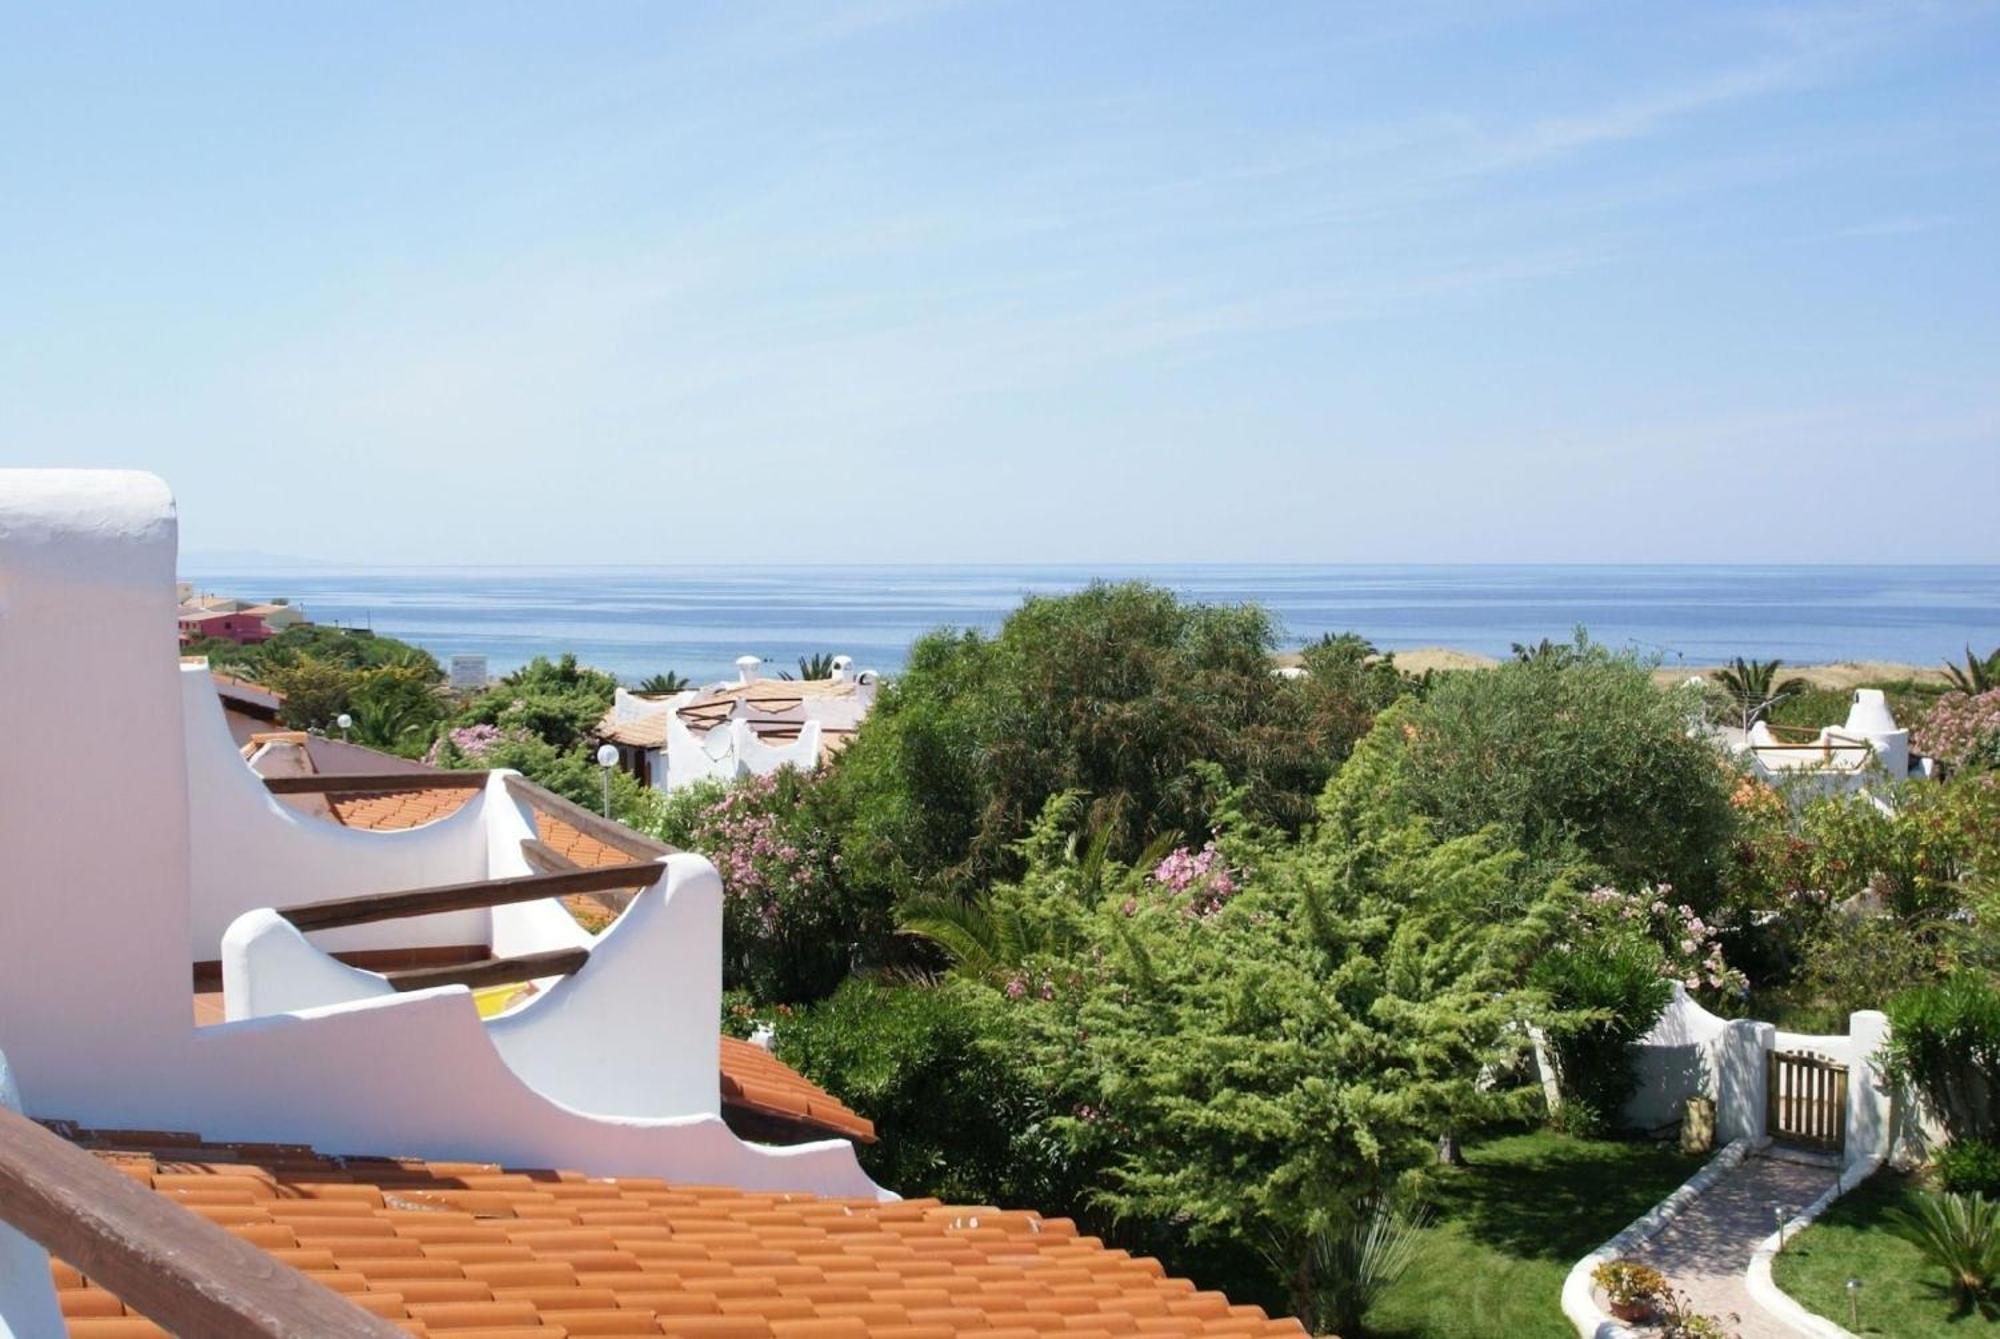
[1901, 1296]
[1509, 1225]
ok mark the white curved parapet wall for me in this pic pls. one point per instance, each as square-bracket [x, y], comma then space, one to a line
[632, 1033]
[97, 902]
[251, 850]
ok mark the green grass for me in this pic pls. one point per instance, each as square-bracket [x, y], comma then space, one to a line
[1508, 1226]
[1901, 1296]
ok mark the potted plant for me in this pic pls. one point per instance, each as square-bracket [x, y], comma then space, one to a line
[1631, 1288]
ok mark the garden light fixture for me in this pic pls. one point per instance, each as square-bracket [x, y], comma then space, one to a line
[607, 758]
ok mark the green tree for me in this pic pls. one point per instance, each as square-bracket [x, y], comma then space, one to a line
[1264, 1068]
[1584, 763]
[315, 691]
[396, 707]
[816, 666]
[1114, 692]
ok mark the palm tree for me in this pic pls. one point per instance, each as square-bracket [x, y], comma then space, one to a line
[996, 934]
[1980, 675]
[1755, 687]
[662, 685]
[818, 666]
[1545, 652]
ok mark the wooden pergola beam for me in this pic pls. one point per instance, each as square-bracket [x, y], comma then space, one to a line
[371, 907]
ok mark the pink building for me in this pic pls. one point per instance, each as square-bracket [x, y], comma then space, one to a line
[244, 629]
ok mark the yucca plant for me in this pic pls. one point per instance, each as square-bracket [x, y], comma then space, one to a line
[1348, 1268]
[1958, 1233]
[1755, 687]
[1980, 675]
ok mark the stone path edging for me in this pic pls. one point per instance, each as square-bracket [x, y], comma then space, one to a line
[1579, 1300]
[1764, 1290]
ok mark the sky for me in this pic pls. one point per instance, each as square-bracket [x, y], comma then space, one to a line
[919, 281]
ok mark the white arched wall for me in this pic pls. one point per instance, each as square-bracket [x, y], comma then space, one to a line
[632, 1033]
[250, 850]
[95, 797]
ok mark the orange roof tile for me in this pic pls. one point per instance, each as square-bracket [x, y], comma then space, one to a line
[399, 808]
[469, 1248]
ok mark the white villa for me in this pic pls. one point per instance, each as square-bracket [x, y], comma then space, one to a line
[750, 727]
[1867, 750]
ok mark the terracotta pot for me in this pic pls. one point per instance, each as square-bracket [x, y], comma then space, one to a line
[1632, 1311]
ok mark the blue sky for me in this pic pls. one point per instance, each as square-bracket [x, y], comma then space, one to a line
[922, 281]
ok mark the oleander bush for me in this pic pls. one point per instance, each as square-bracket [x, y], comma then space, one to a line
[1944, 1042]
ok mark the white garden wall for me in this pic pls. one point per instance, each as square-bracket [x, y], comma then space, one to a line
[1691, 1052]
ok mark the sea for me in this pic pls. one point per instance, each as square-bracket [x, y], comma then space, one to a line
[636, 621]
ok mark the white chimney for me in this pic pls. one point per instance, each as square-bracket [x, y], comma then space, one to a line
[840, 668]
[746, 668]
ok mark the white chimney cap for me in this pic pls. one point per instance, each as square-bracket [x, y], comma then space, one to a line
[746, 667]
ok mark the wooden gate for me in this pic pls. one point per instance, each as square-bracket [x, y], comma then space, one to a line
[1807, 1100]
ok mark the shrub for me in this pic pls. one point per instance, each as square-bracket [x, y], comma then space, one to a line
[1962, 730]
[954, 1115]
[557, 701]
[1352, 1267]
[1944, 1042]
[571, 773]
[1969, 1167]
[1628, 1283]
[1960, 1234]
[794, 922]
[1913, 858]
[1578, 759]
[1608, 991]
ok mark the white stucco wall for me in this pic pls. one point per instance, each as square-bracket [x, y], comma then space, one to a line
[249, 850]
[96, 790]
[632, 1033]
[1681, 1057]
[1691, 1051]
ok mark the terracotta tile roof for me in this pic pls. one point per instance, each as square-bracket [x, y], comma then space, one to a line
[753, 1080]
[411, 808]
[398, 808]
[462, 1249]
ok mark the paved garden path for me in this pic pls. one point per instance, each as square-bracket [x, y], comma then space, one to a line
[1705, 1250]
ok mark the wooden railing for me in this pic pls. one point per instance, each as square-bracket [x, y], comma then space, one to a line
[614, 835]
[177, 1269]
[371, 907]
[334, 784]
[558, 876]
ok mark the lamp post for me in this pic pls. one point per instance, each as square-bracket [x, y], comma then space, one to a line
[343, 721]
[1778, 1218]
[1854, 1305]
[607, 758]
